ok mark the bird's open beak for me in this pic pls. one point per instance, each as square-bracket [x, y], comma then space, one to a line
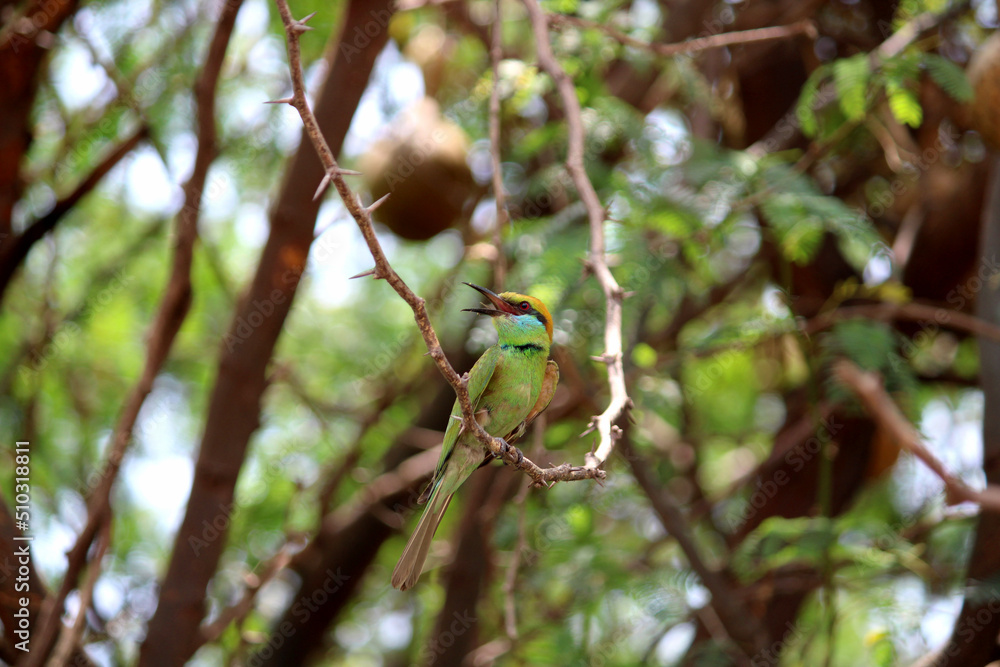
[502, 307]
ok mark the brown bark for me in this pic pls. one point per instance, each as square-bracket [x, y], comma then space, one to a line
[23, 48]
[234, 407]
[22, 57]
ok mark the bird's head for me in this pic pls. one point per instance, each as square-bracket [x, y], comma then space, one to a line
[522, 310]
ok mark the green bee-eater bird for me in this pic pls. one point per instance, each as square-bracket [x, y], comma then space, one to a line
[510, 384]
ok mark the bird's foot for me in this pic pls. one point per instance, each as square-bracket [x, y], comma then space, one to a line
[508, 450]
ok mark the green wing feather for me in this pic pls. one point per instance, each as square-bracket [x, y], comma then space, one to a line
[479, 379]
[446, 477]
[549, 383]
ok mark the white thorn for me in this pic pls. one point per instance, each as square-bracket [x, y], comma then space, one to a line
[377, 203]
[322, 186]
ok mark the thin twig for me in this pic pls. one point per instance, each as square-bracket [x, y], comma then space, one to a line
[496, 54]
[384, 271]
[390, 388]
[17, 249]
[69, 637]
[868, 387]
[929, 316]
[239, 610]
[597, 263]
[803, 27]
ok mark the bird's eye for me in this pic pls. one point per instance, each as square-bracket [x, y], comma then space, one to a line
[524, 305]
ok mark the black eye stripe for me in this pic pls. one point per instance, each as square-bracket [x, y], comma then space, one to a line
[528, 309]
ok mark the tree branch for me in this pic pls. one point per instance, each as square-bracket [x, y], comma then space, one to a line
[69, 637]
[804, 27]
[17, 249]
[384, 271]
[915, 311]
[238, 611]
[597, 261]
[867, 386]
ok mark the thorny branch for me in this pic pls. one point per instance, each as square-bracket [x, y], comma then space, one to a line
[804, 27]
[597, 263]
[867, 386]
[384, 271]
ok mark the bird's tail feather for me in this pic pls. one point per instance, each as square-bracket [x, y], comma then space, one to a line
[411, 563]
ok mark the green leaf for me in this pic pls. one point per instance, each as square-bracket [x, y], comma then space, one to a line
[675, 223]
[804, 110]
[904, 105]
[778, 541]
[799, 214]
[868, 344]
[562, 6]
[901, 70]
[644, 356]
[799, 234]
[949, 76]
[851, 76]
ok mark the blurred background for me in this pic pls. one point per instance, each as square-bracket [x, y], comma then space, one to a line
[228, 435]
